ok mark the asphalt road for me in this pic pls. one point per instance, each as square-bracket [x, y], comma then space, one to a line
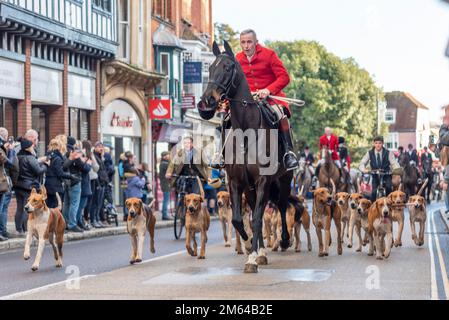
[90, 257]
[411, 272]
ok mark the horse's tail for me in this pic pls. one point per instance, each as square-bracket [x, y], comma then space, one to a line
[299, 207]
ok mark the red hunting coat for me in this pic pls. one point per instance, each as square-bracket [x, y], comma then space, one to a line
[331, 144]
[265, 71]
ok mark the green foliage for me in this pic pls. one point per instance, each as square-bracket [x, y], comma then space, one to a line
[337, 92]
[224, 32]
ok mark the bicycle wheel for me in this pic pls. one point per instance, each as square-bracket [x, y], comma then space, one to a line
[179, 221]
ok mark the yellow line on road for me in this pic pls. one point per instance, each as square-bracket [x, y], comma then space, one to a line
[440, 258]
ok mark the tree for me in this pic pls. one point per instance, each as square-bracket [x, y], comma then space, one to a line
[337, 92]
[224, 31]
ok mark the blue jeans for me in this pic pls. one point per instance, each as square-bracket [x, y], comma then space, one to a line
[5, 199]
[165, 204]
[83, 203]
[72, 197]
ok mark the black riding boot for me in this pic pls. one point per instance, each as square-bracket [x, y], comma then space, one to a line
[289, 158]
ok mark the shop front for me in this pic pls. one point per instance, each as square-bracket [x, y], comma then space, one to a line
[81, 102]
[46, 101]
[122, 130]
[12, 90]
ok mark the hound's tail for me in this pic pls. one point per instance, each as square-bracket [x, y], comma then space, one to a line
[299, 207]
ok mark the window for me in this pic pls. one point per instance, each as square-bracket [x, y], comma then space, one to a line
[165, 69]
[79, 123]
[163, 9]
[104, 5]
[390, 116]
[124, 29]
[187, 10]
[392, 141]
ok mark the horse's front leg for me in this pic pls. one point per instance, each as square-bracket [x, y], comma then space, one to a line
[237, 214]
[258, 256]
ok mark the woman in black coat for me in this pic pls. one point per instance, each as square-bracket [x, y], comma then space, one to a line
[31, 170]
[55, 174]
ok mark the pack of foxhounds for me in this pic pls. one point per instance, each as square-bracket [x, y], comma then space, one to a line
[348, 212]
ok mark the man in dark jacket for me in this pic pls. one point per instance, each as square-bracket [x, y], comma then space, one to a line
[31, 170]
[165, 183]
[72, 195]
[56, 175]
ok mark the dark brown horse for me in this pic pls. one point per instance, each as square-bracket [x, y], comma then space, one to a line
[251, 175]
[410, 176]
[328, 171]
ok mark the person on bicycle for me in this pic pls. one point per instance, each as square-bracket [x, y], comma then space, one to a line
[188, 161]
[381, 159]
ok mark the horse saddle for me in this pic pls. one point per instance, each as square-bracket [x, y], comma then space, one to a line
[268, 114]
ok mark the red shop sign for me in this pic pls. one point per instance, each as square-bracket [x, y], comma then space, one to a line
[160, 109]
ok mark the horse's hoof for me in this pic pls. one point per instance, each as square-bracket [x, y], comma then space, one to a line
[285, 244]
[262, 260]
[250, 268]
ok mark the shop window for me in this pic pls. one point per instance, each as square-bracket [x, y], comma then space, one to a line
[40, 123]
[79, 124]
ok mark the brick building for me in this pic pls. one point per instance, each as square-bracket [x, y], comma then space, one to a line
[409, 121]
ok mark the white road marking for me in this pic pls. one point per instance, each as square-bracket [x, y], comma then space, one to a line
[43, 288]
[434, 288]
[442, 263]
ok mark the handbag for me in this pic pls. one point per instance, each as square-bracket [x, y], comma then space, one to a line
[6, 183]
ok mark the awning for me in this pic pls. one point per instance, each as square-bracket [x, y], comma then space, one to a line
[173, 133]
[163, 37]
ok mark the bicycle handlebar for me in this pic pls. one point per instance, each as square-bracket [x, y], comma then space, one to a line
[379, 172]
[187, 177]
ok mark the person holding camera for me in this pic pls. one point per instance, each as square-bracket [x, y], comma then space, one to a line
[9, 168]
[76, 165]
[55, 176]
[31, 170]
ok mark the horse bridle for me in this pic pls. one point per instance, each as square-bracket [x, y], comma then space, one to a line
[229, 86]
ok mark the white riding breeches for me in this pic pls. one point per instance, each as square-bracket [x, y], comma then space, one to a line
[337, 162]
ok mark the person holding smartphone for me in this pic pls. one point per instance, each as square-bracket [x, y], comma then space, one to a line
[72, 195]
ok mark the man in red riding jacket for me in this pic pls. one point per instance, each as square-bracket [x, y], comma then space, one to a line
[329, 140]
[266, 75]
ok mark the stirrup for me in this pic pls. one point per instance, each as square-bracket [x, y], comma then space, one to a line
[294, 155]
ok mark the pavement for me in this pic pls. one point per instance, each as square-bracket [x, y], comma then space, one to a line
[411, 272]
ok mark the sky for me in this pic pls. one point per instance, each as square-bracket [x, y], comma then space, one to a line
[401, 43]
